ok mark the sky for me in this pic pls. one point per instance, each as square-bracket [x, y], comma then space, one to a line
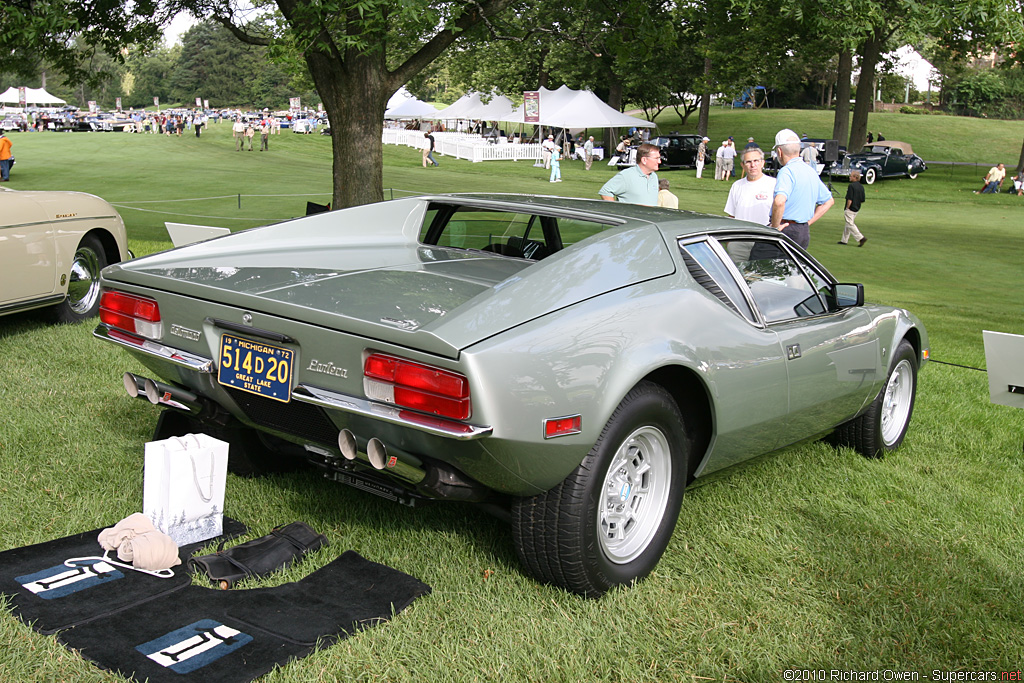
[181, 23]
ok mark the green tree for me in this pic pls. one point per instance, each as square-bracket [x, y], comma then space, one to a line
[152, 71]
[216, 66]
[358, 53]
[67, 35]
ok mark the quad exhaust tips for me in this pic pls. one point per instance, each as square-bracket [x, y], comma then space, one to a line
[159, 393]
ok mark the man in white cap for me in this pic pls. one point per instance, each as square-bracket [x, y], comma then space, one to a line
[702, 154]
[547, 147]
[800, 197]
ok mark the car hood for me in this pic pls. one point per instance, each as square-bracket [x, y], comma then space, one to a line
[434, 298]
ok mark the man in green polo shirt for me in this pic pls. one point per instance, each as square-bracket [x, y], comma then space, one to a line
[636, 184]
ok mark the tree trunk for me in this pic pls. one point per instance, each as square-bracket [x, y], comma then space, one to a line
[869, 55]
[705, 100]
[615, 102]
[841, 122]
[354, 97]
[1020, 162]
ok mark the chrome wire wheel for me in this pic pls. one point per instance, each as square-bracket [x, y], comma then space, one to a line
[84, 280]
[897, 402]
[634, 495]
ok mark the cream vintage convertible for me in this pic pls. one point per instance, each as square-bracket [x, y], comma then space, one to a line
[53, 246]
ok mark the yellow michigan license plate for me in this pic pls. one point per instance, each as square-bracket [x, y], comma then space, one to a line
[255, 367]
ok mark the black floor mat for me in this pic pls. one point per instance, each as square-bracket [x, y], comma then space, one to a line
[191, 633]
[202, 634]
[52, 597]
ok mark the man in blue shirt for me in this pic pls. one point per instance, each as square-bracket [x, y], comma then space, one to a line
[636, 184]
[800, 196]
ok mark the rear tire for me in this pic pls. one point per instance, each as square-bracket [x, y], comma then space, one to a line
[609, 522]
[883, 426]
[83, 299]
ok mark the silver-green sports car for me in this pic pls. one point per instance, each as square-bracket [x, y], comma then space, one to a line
[573, 363]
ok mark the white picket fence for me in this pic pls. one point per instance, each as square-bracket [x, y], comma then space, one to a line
[463, 146]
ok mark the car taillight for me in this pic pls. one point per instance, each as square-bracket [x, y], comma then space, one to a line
[131, 313]
[416, 386]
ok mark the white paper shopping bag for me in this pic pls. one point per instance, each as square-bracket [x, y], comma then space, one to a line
[183, 486]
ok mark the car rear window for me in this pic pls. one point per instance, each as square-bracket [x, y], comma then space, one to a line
[509, 233]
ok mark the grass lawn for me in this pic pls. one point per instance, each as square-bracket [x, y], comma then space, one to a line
[810, 559]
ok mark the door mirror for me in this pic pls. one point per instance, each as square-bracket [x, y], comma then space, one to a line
[848, 295]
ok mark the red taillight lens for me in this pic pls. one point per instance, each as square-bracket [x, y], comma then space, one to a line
[417, 386]
[131, 313]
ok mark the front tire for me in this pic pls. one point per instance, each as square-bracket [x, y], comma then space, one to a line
[883, 426]
[83, 299]
[609, 522]
[870, 176]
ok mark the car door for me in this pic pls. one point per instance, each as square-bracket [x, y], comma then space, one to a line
[833, 359]
[745, 366]
[895, 163]
[26, 249]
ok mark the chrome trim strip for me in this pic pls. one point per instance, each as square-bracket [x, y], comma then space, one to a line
[75, 219]
[32, 303]
[158, 350]
[386, 413]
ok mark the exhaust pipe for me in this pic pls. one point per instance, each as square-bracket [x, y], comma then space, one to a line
[347, 444]
[377, 453]
[159, 393]
[407, 468]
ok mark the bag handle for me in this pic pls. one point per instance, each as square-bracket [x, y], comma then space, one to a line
[207, 497]
[184, 444]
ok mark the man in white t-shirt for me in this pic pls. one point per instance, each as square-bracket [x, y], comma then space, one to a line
[750, 198]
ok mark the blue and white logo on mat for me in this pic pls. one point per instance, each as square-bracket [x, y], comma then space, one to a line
[60, 581]
[192, 647]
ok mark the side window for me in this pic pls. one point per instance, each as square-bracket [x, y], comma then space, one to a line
[783, 286]
[711, 273]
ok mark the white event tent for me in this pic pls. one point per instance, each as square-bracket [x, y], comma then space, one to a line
[472, 106]
[568, 108]
[36, 96]
[403, 105]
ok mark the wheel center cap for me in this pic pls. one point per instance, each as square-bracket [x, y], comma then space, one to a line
[624, 492]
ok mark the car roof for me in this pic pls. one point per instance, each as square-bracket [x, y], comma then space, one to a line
[903, 146]
[673, 223]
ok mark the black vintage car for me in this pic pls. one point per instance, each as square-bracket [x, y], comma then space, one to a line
[888, 159]
[772, 166]
[677, 151]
